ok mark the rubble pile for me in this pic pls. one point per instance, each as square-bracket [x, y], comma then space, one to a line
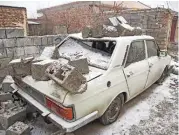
[118, 27]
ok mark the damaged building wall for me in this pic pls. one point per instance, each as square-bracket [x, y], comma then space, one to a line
[155, 22]
[15, 47]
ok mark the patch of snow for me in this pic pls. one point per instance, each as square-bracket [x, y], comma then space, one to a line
[121, 19]
[47, 52]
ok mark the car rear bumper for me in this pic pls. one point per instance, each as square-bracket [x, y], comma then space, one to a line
[61, 123]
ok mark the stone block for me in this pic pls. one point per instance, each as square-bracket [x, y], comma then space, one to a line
[18, 128]
[19, 51]
[50, 52]
[87, 32]
[44, 40]
[20, 42]
[80, 64]
[8, 80]
[38, 69]
[10, 52]
[2, 33]
[97, 32]
[9, 42]
[50, 40]
[12, 115]
[37, 40]
[14, 32]
[28, 41]
[3, 53]
[4, 96]
[4, 62]
[1, 44]
[2, 132]
[31, 50]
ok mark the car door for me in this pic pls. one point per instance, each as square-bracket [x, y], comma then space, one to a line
[155, 63]
[136, 67]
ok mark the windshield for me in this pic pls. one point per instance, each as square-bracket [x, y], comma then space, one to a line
[98, 53]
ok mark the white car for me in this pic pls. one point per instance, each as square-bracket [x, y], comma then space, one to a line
[120, 69]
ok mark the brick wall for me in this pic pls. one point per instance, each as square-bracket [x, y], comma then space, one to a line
[15, 47]
[13, 17]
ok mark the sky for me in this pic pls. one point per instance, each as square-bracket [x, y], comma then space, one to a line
[33, 6]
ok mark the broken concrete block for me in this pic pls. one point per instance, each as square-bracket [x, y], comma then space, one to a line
[81, 65]
[18, 128]
[4, 96]
[3, 132]
[7, 104]
[14, 32]
[87, 32]
[38, 70]
[21, 67]
[12, 115]
[8, 80]
[110, 31]
[68, 77]
[97, 32]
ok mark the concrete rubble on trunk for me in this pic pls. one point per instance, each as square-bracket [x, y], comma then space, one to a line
[18, 128]
[38, 70]
[68, 77]
[21, 67]
[81, 65]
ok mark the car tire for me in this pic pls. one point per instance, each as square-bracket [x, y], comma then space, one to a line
[113, 111]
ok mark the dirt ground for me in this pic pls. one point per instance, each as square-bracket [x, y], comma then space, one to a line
[154, 112]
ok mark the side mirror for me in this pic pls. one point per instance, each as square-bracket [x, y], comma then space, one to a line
[162, 53]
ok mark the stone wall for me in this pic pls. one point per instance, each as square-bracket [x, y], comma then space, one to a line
[16, 47]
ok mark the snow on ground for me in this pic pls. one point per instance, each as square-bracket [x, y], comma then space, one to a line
[153, 112]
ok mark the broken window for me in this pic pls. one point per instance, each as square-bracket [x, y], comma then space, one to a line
[97, 52]
[136, 52]
[151, 48]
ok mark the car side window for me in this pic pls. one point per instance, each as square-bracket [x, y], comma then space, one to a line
[151, 48]
[136, 52]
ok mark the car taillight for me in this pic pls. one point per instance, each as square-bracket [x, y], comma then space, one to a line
[65, 112]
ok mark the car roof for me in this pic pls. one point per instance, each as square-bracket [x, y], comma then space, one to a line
[131, 38]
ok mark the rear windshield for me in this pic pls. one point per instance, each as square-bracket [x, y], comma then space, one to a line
[98, 53]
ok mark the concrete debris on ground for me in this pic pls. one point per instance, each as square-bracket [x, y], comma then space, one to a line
[4, 96]
[12, 115]
[18, 128]
[81, 64]
[38, 70]
[2, 132]
[8, 80]
[118, 27]
[68, 77]
[174, 83]
[50, 52]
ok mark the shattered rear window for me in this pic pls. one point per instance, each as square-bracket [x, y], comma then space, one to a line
[98, 53]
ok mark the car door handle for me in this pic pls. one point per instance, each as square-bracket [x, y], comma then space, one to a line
[129, 74]
[150, 65]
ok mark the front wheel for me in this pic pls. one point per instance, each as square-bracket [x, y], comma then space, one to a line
[113, 111]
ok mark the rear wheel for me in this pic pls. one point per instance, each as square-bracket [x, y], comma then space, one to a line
[113, 111]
